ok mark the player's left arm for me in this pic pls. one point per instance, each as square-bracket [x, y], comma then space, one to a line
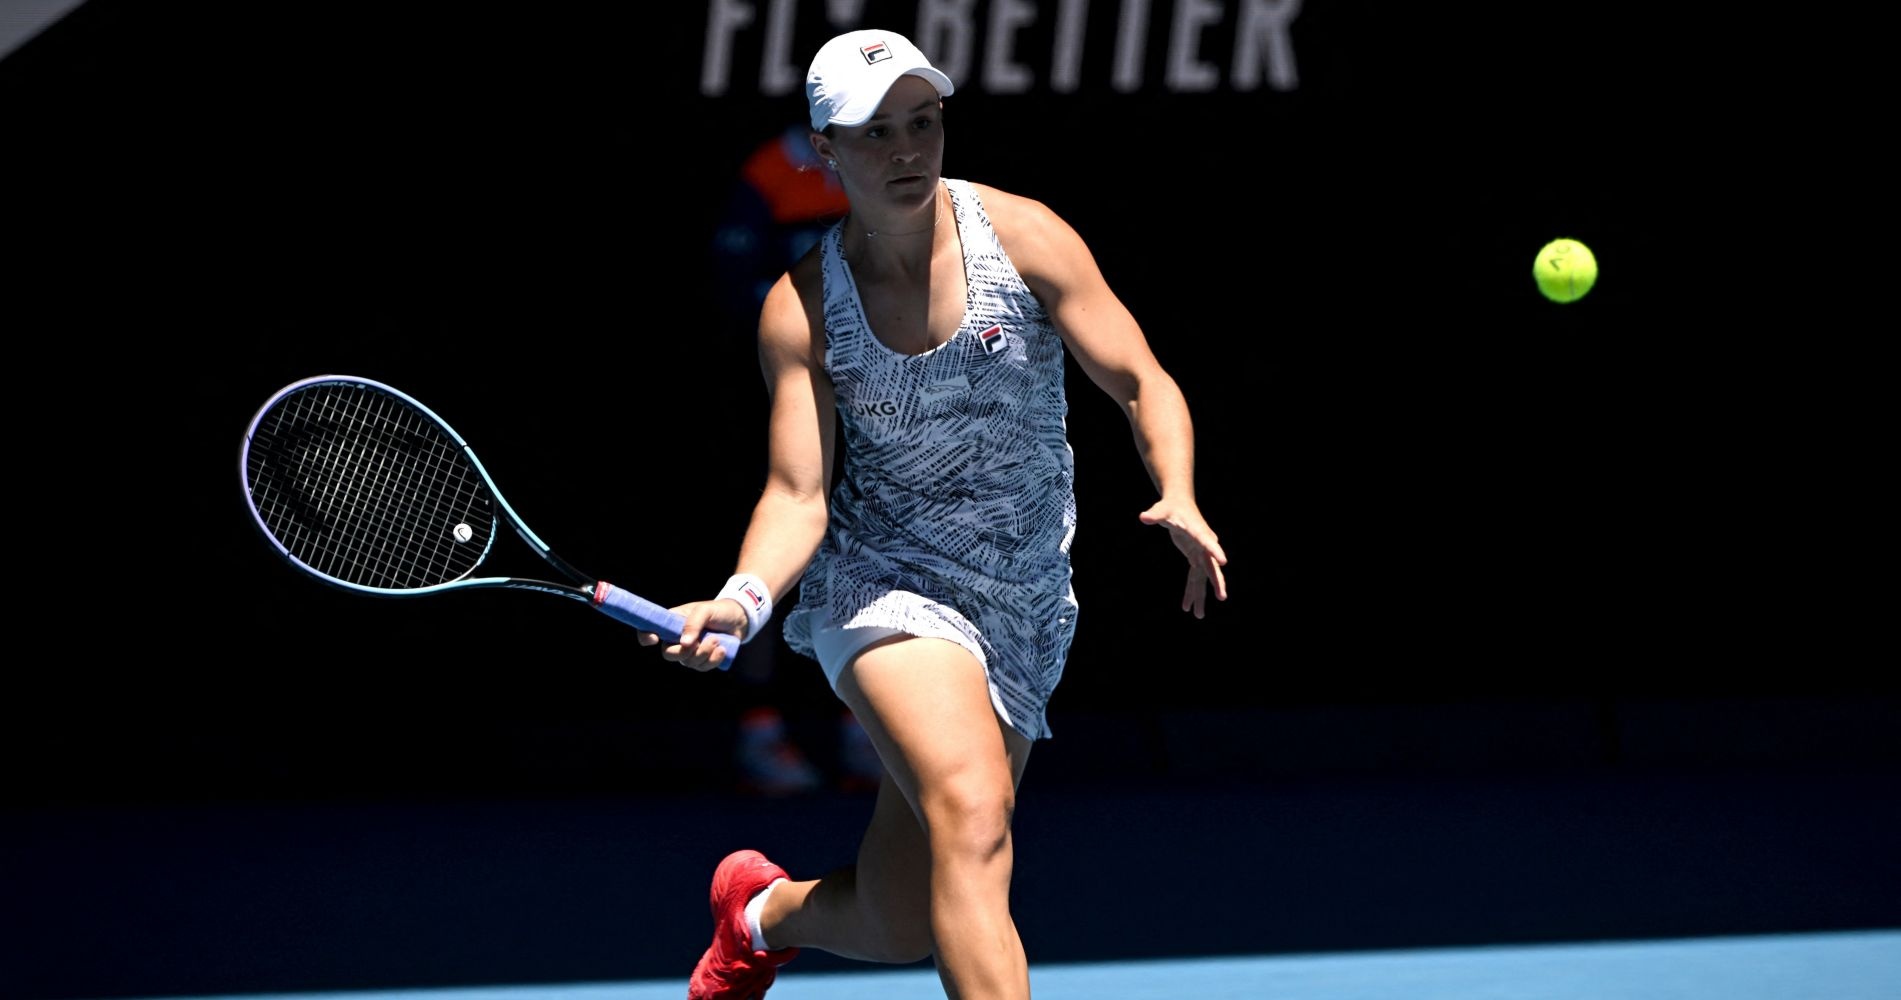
[1110, 347]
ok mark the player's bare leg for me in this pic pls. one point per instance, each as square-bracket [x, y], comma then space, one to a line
[933, 871]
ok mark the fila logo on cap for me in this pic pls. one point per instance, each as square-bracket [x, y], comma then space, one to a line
[875, 53]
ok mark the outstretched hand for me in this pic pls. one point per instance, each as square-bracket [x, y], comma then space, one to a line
[696, 649]
[1198, 545]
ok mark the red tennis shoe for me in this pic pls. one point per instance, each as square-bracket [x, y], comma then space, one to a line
[731, 969]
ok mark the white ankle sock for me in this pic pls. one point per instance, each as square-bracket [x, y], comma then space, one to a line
[753, 910]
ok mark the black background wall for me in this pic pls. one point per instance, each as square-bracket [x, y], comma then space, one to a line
[1435, 486]
[1469, 528]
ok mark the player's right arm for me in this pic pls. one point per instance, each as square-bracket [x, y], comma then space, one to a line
[788, 521]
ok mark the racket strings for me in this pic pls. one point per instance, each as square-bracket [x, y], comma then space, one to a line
[403, 494]
[363, 487]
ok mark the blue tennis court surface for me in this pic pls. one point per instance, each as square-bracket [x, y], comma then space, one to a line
[1836, 966]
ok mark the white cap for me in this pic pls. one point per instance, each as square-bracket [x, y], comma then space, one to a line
[851, 73]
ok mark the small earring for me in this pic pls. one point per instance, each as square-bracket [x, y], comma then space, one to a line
[832, 163]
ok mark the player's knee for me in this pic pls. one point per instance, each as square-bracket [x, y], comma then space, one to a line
[906, 941]
[970, 820]
[897, 919]
[892, 909]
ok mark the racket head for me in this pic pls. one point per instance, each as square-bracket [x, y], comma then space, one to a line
[362, 486]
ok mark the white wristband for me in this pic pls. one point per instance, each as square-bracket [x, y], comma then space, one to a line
[751, 593]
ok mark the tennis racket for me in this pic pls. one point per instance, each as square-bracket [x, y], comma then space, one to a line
[361, 486]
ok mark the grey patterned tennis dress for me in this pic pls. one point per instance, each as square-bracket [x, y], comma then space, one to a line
[957, 507]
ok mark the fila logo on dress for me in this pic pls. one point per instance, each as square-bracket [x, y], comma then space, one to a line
[993, 339]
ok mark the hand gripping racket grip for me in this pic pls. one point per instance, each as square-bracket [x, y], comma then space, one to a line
[648, 616]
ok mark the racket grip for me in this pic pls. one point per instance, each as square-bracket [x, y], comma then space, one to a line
[650, 617]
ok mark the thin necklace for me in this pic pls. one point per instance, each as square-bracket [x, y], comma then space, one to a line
[936, 214]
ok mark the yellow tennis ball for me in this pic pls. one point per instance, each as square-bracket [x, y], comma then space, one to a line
[1565, 270]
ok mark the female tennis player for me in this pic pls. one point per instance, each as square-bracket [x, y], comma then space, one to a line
[930, 324]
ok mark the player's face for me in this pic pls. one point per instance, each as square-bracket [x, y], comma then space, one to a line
[898, 155]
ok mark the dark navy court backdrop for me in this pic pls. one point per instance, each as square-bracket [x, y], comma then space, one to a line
[1470, 530]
